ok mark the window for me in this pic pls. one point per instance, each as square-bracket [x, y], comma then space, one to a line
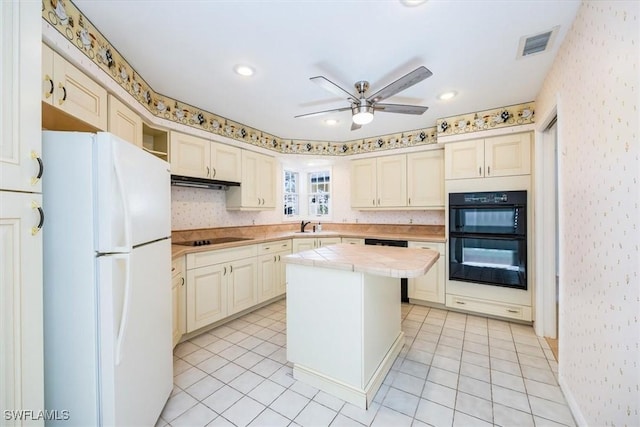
[291, 196]
[314, 187]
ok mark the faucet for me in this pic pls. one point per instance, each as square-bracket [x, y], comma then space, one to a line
[303, 225]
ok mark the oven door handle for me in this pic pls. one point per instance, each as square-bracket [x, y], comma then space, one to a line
[486, 236]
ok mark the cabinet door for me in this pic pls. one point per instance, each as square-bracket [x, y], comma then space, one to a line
[392, 181]
[363, 183]
[243, 285]
[425, 179]
[464, 159]
[177, 288]
[267, 276]
[21, 334]
[226, 162]
[79, 96]
[508, 155]
[328, 241]
[281, 274]
[300, 245]
[190, 155]
[206, 295]
[429, 287]
[124, 122]
[20, 109]
[250, 178]
[267, 182]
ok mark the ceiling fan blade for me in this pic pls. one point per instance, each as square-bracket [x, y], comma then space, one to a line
[355, 126]
[334, 88]
[404, 82]
[319, 113]
[399, 108]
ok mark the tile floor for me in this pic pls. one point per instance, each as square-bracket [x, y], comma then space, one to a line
[454, 370]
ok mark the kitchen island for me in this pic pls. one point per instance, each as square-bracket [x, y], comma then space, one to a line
[343, 315]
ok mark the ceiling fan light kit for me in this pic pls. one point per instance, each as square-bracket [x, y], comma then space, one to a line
[362, 107]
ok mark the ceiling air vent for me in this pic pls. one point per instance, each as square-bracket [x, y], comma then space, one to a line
[536, 43]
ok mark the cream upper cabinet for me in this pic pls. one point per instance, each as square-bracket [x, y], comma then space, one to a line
[429, 287]
[425, 179]
[392, 181]
[363, 183]
[379, 182]
[190, 155]
[226, 162]
[20, 133]
[124, 122]
[497, 156]
[68, 89]
[258, 189]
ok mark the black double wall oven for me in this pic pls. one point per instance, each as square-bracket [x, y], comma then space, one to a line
[488, 238]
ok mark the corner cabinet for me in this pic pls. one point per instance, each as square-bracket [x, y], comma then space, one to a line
[498, 156]
[66, 89]
[258, 188]
[429, 287]
[407, 181]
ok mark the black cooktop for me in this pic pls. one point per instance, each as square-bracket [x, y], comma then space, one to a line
[212, 241]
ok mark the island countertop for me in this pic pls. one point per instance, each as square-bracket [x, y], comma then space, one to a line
[378, 260]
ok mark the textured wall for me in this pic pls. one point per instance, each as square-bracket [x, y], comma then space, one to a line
[198, 208]
[596, 85]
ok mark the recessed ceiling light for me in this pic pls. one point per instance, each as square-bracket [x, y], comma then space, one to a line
[244, 70]
[331, 122]
[447, 95]
[412, 3]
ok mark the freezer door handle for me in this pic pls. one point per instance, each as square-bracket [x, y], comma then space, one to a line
[124, 317]
[125, 206]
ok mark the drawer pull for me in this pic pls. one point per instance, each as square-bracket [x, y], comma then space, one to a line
[224, 273]
[460, 302]
[513, 311]
[64, 92]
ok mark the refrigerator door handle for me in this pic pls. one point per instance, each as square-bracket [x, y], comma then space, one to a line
[124, 316]
[125, 206]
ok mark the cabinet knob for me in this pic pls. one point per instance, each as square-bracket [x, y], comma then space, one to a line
[182, 281]
[208, 171]
[51, 86]
[214, 173]
[488, 170]
[64, 93]
[224, 273]
[35, 179]
[37, 228]
[480, 171]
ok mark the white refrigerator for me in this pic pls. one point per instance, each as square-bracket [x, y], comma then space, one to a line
[107, 281]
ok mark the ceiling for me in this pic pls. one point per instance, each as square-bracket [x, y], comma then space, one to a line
[187, 50]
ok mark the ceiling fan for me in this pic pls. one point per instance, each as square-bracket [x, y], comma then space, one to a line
[362, 107]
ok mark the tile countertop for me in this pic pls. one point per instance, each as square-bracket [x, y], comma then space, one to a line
[179, 250]
[379, 260]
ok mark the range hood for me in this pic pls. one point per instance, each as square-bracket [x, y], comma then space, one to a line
[211, 184]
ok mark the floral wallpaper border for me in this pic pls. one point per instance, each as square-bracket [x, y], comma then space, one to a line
[67, 19]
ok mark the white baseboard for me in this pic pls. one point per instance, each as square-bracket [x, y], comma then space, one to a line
[571, 401]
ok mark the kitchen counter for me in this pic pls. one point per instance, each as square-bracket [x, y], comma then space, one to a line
[343, 315]
[380, 260]
[270, 236]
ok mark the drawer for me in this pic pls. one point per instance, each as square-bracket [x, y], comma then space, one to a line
[353, 241]
[511, 311]
[272, 247]
[203, 259]
[439, 247]
[177, 266]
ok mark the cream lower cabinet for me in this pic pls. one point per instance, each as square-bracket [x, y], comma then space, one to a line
[220, 283]
[353, 240]
[271, 269]
[69, 90]
[431, 286]
[307, 243]
[123, 122]
[504, 155]
[178, 294]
